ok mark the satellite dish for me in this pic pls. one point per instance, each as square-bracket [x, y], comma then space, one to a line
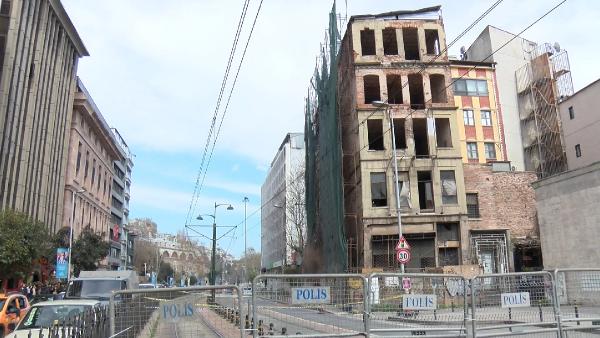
[557, 47]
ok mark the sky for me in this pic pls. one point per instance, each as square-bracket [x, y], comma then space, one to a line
[155, 71]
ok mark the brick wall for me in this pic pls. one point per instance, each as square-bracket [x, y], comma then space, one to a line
[506, 201]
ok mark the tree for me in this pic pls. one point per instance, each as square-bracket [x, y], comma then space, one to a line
[165, 271]
[145, 252]
[22, 240]
[252, 264]
[144, 227]
[89, 249]
[295, 208]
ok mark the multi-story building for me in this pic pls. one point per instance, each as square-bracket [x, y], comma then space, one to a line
[39, 52]
[92, 150]
[282, 214]
[121, 185]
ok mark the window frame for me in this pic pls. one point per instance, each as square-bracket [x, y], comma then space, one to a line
[578, 150]
[486, 117]
[461, 87]
[487, 146]
[473, 209]
[470, 151]
[468, 120]
[448, 199]
[383, 191]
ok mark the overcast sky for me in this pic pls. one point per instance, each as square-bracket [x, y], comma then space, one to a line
[156, 68]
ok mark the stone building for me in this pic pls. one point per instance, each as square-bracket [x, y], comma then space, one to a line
[39, 52]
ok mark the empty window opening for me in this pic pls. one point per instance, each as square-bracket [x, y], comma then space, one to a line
[578, 150]
[432, 41]
[425, 190]
[390, 43]
[372, 92]
[442, 132]
[375, 131]
[448, 256]
[490, 151]
[378, 190]
[394, 88]
[367, 41]
[449, 195]
[447, 232]
[420, 136]
[404, 188]
[438, 88]
[411, 43]
[415, 87]
[472, 205]
[399, 133]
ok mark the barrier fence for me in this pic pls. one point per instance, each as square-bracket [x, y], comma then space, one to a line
[561, 303]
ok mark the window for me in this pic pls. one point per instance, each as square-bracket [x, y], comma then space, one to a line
[404, 188]
[390, 43]
[399, 133]
[420, 137]
[472, 150]
[93, 172]
[375, 134]
[432, 41]
[5, 7]
[442, 131]
[415, 88]
[490, 151]
[371, 88]
[394, 88]
[473, 205]
[468, 117]
[571, 113]
[448, 187]
[425, 190]
[411, 43]
[378, 190]
[578, 150]
[99, 180]
[367, 41]
[486, 118]
[470, 87]
[85, 173]
[78, 165]
[437, 83]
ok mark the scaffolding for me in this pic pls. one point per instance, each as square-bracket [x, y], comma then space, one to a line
[489, 250]
[541, 85]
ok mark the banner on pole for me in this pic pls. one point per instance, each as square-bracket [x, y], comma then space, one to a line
[62, 262]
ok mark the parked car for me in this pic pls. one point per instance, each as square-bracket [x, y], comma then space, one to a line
[45, 315]
[100, 284]
[147, 286]
[13, 307]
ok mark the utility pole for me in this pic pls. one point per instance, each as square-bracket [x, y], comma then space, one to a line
[245, 242]
[75, 192]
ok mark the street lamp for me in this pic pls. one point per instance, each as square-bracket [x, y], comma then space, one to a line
[245, 241]
[285, 243]
[387, 106]
[75, 193]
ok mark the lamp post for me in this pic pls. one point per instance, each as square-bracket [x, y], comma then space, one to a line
[285, 236]
[75, 193]
[386, 106]
[245, 242]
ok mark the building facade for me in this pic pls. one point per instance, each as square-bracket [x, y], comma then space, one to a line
[580, 123]
[39, 52]
[282, 214]
[92, 150]
[479, 117]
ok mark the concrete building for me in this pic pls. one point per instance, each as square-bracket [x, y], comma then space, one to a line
[479, 116]
[532, 79]
[39, 52]
[581, 126]
[92, 150]
[282, 197]
[121, 239]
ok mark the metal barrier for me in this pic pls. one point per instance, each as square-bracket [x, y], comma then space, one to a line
[578, 295]
[514, 304]
[417, 304]
[319, 305]
[177, 312]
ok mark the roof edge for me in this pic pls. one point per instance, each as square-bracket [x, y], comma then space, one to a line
[396, 13]
[64, 18]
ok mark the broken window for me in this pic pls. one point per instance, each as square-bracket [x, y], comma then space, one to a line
[443, 134]
[468, 117]
[449, 195]
[411, 43]
[437, 82]
[472, 150]
[490, 151]
[375, 134]
[372, 92]
[378, 190]
[425, 190]
[390, 43]
[367, 41]
[399, 133]
[432, 41]
[394, 88]
[421, 137]
[415, 87]
[404, 188]
[472, 205]
[486, 118]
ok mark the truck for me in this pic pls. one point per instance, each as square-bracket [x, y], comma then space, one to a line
[100, 284]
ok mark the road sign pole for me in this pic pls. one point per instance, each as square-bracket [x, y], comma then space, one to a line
[396, 178]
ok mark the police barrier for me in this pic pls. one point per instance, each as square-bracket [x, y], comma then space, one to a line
[323, 305]
[417, 304]
[578, 295]
[514, 304]
[177, 312]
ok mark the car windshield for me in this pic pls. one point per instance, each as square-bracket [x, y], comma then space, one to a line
[94, 288]
[2, 303]
[47, 316]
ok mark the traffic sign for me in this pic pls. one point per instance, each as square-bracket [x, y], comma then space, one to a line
[406, 284]
[403, 256]
[402, 244]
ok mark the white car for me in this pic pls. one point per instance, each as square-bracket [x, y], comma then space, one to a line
[44, 315]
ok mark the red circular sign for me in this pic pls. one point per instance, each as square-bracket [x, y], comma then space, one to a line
[403, 256]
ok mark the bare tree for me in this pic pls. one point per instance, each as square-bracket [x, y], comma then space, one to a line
[295, 207]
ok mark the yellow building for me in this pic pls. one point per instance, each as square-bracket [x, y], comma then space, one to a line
[479, 117]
